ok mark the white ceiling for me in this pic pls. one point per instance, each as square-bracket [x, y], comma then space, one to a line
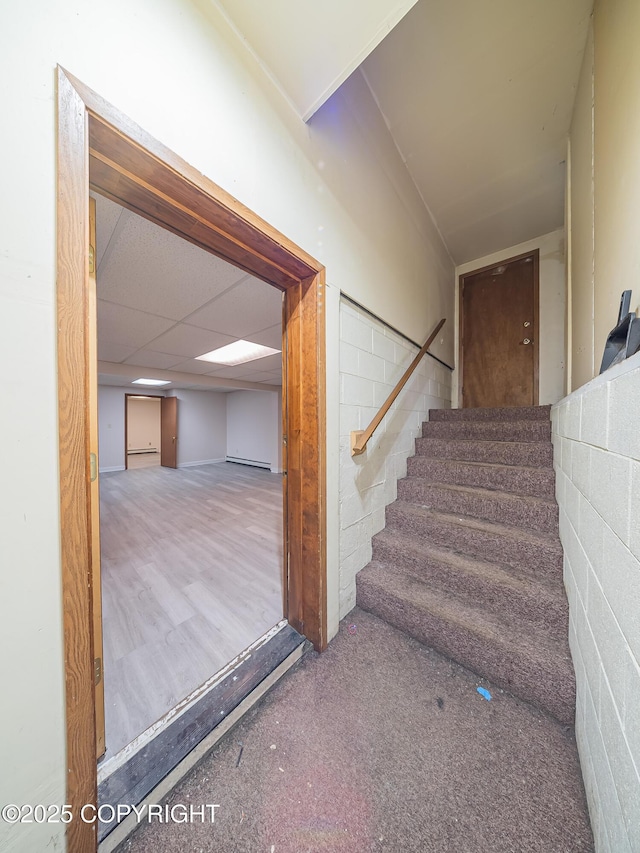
[478, 97]
[163, 301]
[310, 48]
[477, 94]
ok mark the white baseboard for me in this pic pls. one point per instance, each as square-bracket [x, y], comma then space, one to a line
[201, 462]
[112, 468]
[252, 462]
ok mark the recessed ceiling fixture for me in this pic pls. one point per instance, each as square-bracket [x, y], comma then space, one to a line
[151, 382]
[237, 353]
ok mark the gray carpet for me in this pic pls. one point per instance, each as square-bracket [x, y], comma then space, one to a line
[380, 744]
[470, 561]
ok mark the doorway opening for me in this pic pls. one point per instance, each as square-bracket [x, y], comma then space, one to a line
[191, 545]
[142, 431]
[100, 146]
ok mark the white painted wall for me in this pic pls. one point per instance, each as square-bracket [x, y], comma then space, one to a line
[581, 355]
[336, 186]
[143, 424]
[111, 428]
[372, 359]
[552, 310]
[254, 428]
[597, 459]
[202, 427]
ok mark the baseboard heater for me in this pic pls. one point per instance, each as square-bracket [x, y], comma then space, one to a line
[142, 450]
[253, 462]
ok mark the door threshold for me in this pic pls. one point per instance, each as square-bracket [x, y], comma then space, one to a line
[148, 768]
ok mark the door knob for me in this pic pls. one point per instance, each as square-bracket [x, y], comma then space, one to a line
[526, 324]
[526, 341]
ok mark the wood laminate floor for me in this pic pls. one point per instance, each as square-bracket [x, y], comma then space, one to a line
[142, 460]
[191, 576]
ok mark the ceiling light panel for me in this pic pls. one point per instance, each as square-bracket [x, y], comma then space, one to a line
[151, 382]
[238, 352]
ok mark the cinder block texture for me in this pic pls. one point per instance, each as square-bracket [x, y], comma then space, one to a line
[596, 450]
[372, 359]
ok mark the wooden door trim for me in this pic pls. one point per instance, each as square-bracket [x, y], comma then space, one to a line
[140, 173]
[535, 255]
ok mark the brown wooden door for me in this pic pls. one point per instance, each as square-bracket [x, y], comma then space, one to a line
[94, 489]
[169, 432]
[499, 340]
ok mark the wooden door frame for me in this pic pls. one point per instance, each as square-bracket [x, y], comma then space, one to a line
[535, 255]
[100, 147]
[126, 422]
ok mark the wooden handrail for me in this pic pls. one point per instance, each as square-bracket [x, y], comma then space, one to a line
[359, 438]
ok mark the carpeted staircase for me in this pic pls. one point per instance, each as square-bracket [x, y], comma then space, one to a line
[470, 562]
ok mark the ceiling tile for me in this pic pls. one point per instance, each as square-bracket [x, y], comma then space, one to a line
[271, 337]
[150, 358]
[189, 341]
[109, 379]
[120, 325]
[270, 363]
[262, 376]
[108, 351]
[152, 269]
[193, 366]
[107, 216]
[238, 372]
[249, 307]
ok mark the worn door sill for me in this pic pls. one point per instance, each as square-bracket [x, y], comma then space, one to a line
[148, 768]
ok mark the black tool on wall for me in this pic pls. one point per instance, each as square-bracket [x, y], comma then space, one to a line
[624, 340]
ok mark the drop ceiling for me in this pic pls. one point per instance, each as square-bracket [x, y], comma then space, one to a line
[163, 301]
[477, 95]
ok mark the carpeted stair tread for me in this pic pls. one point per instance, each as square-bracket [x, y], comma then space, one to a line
[509, 413]
[528, 665]
[538, 454]
[522, 480]
[488, 430]
[488, 585]
[522, 549]
[504, 507]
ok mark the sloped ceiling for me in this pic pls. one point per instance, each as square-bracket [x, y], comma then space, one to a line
[477, 95]
[163, 301]
[310, 48]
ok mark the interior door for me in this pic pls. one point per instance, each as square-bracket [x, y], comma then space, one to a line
[499, 340]
[96, 589]
[169, 432]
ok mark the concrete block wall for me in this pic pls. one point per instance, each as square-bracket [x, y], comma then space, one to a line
[372, 359]
[596, 434]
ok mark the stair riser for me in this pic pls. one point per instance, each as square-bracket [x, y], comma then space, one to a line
[542, 612]
[551, 688]
[504, 509]
[525, 557]
[525, 413]
[533, 454]
[539, 483]
[489, 430]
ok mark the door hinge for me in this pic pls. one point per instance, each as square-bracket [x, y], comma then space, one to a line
[97, 671]
[93, 467]
[92, 259]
